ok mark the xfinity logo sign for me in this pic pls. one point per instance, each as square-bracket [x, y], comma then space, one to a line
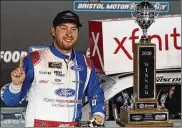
[112, 43]
[9, 56]
[163, 44]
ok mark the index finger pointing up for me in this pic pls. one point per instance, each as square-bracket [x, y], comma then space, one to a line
[21, 62]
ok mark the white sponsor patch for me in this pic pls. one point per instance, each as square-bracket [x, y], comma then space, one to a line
[94, 100]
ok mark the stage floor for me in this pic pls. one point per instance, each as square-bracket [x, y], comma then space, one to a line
[14, 117]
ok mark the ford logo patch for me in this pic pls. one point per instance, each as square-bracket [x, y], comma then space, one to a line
[65, 92]
[77, 67]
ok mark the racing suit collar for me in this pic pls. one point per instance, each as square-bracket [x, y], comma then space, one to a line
[60, 54]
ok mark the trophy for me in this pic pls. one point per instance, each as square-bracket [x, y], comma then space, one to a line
[125, 99]
[145, 111]
[132, 101]
[163, 101]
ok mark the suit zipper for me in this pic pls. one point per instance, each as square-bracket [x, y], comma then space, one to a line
[66, 64]
[67, 80]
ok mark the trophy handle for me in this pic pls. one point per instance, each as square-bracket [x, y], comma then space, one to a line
[157, 8]
[158, 95]
[132, 7]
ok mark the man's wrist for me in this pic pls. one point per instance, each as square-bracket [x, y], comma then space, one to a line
[14, 88]
[100, 114]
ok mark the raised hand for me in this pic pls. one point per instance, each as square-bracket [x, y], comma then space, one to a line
[18, 74]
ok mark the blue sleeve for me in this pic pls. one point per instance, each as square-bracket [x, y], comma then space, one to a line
[11, 99]
[95, 93]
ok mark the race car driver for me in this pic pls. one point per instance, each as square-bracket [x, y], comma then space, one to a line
[55, 78]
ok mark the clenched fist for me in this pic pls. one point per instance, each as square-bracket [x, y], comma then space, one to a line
[18, 75]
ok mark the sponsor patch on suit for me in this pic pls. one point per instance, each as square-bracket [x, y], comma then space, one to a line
[55, 65]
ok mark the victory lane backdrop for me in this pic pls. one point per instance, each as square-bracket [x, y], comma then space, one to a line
[28, 23]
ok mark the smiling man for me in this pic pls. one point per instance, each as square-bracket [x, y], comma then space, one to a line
[55, 78]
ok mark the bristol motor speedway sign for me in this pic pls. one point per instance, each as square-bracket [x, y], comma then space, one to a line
[111, 6]
[112, 41]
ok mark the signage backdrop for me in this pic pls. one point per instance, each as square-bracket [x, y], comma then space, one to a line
[27, 23]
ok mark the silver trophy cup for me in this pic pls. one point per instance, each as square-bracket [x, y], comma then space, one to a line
[145, 14]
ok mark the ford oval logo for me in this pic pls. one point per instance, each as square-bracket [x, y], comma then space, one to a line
[57, 80]
[65, 92]
[77, 68]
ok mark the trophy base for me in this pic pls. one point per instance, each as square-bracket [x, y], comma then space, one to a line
[147, 124]
[144, 118]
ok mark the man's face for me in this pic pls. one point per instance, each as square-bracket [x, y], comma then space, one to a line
[66, 36]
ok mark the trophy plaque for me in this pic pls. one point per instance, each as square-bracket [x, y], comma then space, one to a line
[144, 110]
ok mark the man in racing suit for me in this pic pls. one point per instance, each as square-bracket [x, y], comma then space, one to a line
[55, 78]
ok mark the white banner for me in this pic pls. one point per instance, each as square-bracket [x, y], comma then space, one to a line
[112, 50]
